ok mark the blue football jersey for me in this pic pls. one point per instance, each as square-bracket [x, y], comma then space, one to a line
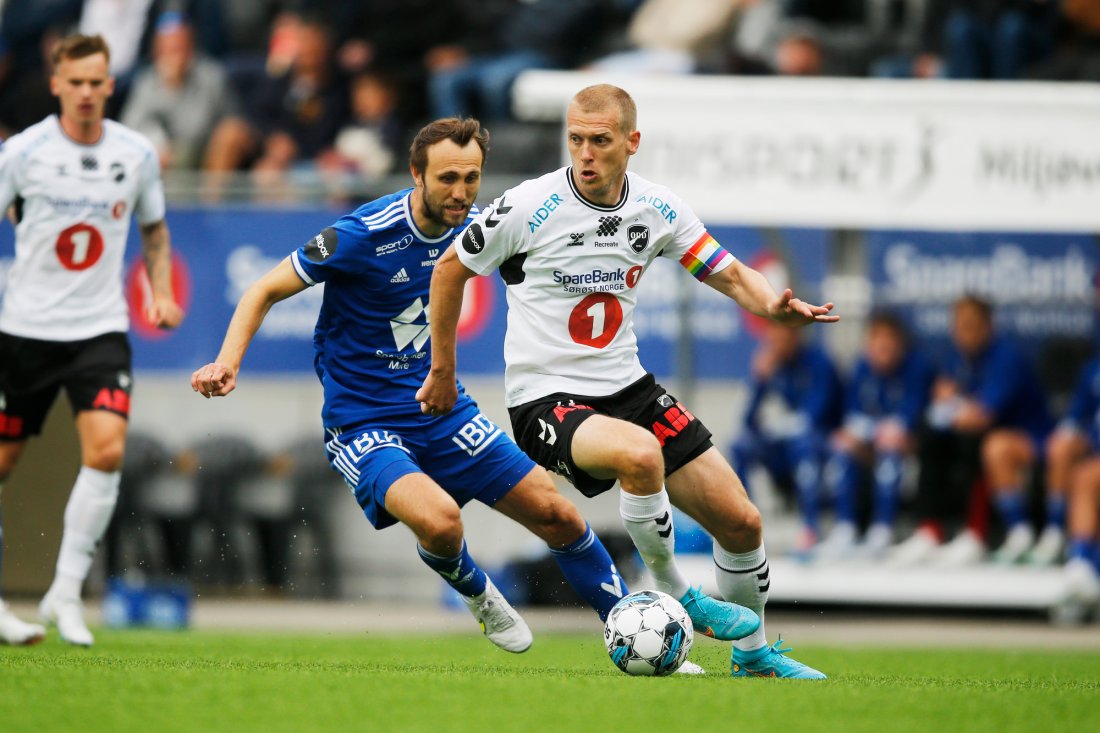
[900, 395]
[1084, 407]
[1003, 380]
[371, 349]
[809, 383]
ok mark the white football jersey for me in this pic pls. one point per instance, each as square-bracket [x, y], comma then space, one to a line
[74, 204]
[572, 269]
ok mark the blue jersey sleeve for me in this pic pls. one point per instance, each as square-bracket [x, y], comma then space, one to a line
[335, 250]
[824, 400]
[919, 376]
[1000, 379]
[1085, 402]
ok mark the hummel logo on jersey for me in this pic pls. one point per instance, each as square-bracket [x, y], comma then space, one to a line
[400, 276]
[89, 163]
[118, 172]
[576, 239]
[608, 226]
[500, 210]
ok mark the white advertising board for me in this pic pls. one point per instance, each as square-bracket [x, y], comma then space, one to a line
[932, 155]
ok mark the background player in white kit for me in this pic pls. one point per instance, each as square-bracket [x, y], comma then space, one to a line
[73, 181]
[571, 246]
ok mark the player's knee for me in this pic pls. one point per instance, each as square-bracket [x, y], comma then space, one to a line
[107, 458]
[561, 523]
[642, 459]
[442, 533]
[742, 529]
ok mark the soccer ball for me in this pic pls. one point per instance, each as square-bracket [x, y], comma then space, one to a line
[648, 633]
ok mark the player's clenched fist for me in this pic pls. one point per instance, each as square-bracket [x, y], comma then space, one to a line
[213, 380]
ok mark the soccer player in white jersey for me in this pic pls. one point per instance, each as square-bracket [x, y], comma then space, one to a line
[73, 181]
[572, 246]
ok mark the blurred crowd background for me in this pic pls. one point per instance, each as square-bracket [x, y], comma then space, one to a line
[283, 88]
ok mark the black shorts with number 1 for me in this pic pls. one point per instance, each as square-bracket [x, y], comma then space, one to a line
[544, 428]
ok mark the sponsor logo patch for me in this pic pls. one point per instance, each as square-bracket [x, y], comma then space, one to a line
[323, 246]
[473, 241]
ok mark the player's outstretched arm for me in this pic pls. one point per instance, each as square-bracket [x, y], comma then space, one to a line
[752, 291]
[162, 309]
[438, 393]
[219, 378]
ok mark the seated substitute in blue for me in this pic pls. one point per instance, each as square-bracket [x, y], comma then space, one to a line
[795, 403]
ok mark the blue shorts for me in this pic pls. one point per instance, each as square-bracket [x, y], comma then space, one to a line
[463, 451]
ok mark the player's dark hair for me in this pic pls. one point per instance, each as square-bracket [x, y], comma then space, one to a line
[890, 320]
[458, 131]
[978, 303]
[598, 97]
[79, 46]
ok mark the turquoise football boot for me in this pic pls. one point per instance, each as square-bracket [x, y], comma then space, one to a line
[770, 661]
[718, 619]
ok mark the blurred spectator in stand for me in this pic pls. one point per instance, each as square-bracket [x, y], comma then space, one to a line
[795, 403]
[296, 114]
[26, 99]
[988, 420]
[1075, 438]
[886, 396]
[23, 23]
[368, 145]
[532, 34]
[122, 23]
[669, 36]
[178, 101]
[1076, 56]
[996, 39]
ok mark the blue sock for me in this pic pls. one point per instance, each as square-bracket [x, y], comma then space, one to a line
[845, 473]
[806, 476]
[1011, 507]
[1056, 510]
[887, 487]
[590, 571]
[1080, 549]
[460, 571]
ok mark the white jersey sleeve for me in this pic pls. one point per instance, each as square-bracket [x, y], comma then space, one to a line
[8, 185]
[494, 237]
[150, 206]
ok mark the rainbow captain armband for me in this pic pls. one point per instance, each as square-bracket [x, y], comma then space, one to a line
[705, 257]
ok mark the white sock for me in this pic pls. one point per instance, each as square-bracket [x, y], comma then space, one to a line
[744, 578]
[648, 521]
[91, 504]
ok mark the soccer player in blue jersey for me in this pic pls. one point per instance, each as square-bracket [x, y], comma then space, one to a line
[801, 387]
[988, 418]
[371, 355]
[885, 399]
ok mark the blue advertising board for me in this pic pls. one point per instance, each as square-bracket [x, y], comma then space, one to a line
[220, 251]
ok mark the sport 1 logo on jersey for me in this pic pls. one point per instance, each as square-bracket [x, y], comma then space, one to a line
[79, 247]
[476, 435]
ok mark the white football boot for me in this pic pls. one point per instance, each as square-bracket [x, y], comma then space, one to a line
[499, 620]
[921, 546]
[1050, 547]
[966, 549]
[17, 632]
[1017, 543]
[68, 615]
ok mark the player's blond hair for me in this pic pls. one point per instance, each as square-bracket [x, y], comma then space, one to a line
[458, 131]
[78, 46]
[601, 97]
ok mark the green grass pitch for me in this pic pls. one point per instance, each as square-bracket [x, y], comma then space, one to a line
[209, 682]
